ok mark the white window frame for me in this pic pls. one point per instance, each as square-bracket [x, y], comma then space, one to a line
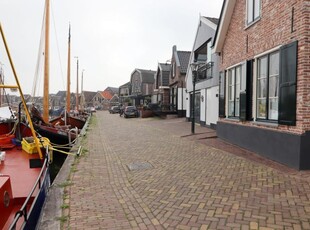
[268, 97]
[255, 9]
[239, 65]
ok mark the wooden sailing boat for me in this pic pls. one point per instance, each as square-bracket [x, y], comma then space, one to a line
[67, 118]
[24, 177]
[61, 135]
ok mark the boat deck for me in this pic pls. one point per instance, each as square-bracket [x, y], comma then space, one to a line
[16, 166]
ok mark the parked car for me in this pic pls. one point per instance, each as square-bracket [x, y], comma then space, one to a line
[131, 111]
[114, 109]
[90, 109]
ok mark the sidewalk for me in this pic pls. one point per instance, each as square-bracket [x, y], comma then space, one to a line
[152, 174]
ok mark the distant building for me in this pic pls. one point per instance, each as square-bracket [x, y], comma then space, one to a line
[105, 99]
[179, 65]
[124, 93]
[86, 99]
[161, 86]
[141, 82]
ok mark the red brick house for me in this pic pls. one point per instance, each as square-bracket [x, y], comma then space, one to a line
[142, 85]
[160, 93]
[264, 98]
[177, 84]
[105, 99]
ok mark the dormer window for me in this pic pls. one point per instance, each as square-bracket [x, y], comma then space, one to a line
[174, 70]
[203, 55]
[253, 11]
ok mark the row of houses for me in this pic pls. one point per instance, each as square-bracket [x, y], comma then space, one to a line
[252, 83]
[86, 99]
[164, 86]
[250, 79]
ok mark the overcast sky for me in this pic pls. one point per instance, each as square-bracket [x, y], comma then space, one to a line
[110, 38]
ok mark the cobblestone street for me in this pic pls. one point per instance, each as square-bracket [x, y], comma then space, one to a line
[151, 174]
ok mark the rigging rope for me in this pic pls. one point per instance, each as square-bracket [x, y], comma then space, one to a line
[39, 59]
[41, 54]
[57, 43]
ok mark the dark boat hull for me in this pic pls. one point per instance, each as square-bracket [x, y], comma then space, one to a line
[72, 121]
[56, 136]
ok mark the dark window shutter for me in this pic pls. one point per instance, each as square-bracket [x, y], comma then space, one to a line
[249, 89]
[222, 95]
[287, 83]
[246, 99]
[243, 107]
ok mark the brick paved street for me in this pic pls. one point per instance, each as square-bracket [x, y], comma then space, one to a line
[179, 181]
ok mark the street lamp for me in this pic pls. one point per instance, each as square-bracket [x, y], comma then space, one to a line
[194, 67]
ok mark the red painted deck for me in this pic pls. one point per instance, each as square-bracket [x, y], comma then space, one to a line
[22, 178]
[16, 165]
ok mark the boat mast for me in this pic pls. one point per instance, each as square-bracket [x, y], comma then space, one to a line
[46, 64]
[68, 71]
[20, 92]
[77, 85]
[1, 82]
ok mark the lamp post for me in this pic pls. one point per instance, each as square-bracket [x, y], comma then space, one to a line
[194, 68]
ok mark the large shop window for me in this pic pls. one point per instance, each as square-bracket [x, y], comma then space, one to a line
[253, 10]
[268, 87]
[234, 76]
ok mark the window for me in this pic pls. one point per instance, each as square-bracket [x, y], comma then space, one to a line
[253, 10]
[203, 55]
[209, 52]
[234, 76]
[268, 87]
[222, 95]
[173, 70]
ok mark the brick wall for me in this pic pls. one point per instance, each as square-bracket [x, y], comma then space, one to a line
[272, 30]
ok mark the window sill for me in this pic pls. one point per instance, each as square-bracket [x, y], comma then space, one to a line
[267, 124]
[234, 119]
[252, 23]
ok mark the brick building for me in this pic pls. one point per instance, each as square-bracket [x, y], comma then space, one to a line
[160, 93]
[179, 64]
[142, 85]
[265, 78]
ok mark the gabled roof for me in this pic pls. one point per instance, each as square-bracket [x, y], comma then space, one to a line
[61, 93]
[221, 31]
[125, 85]
[113, 89]
[89, 95]
[214, 20]
[109, 92]
[107, 95]
[164, 67]
[114, 98]
[147, 75]
[182, 59]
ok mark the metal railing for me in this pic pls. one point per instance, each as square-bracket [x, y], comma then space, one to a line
[205, 71]
[23, 211]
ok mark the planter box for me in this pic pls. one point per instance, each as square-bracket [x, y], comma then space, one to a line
[146, 113]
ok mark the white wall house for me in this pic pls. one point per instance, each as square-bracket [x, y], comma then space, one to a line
[207, 84]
